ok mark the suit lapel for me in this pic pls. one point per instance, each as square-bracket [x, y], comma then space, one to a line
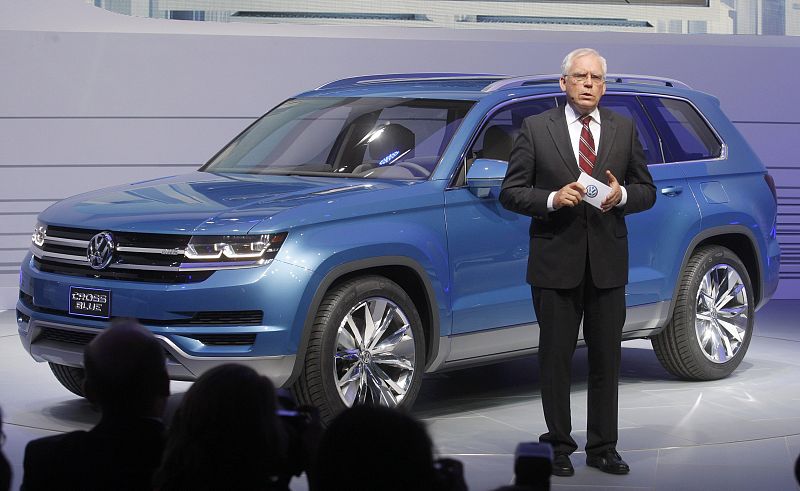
[608, 128]
[557, 125]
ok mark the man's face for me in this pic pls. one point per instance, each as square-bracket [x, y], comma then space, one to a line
[584, 83]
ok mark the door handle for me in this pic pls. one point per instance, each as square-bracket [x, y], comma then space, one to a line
[672, 190]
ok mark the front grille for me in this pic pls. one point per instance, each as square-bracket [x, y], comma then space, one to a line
[225, 339]
[238, 318]
[217, 318]
[66, 336]
[155, 258]
[83, 338]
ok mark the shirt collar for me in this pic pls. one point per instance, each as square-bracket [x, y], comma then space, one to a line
[572, 116]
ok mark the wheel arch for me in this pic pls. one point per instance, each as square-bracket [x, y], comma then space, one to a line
[404, 271]
[738, 239]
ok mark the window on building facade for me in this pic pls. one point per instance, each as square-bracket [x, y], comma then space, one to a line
[769, 17]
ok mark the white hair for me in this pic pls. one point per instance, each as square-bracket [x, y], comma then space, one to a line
[567, 63]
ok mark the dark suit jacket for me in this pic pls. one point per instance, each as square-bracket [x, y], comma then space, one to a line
[543, 161]
[118, 453]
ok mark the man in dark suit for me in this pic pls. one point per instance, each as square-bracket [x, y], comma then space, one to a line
[578, 260]
[126, 377]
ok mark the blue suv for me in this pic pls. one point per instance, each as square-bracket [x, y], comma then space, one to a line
[351, 240]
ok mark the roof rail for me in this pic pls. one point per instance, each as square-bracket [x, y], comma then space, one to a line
[510, 83]
[408, 77]
[627, 78]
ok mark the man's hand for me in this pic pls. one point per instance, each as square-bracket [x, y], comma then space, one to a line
[614, 196]
[570, 195]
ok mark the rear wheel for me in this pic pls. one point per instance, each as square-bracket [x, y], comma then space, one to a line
[367, 346]
[70, 377]
[712, 322]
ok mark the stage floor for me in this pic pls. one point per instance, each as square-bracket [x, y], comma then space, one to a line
[734, 434]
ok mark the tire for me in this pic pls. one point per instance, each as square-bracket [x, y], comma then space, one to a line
[70, 377]
[384, 371]
[712, 321]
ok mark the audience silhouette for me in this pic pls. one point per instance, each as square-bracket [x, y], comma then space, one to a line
[5, 467]
[226, 435]
[373, 447]
[126, 378]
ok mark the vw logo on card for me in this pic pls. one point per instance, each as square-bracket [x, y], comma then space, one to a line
[591, 190]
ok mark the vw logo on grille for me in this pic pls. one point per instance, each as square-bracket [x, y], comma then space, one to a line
[100, 250]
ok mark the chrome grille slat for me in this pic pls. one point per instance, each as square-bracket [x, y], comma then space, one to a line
[143, 267]
[66, 257]
[68, 242]
[150, 250]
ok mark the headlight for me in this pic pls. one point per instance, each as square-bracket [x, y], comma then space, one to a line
[234, 248]
[39, 233]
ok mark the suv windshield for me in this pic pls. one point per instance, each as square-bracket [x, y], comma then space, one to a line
[375, 137]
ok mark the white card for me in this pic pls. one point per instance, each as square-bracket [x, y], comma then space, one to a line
[596, 191]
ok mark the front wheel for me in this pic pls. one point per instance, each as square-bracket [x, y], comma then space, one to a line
[70, 377]
[712, 321]
[367, 346]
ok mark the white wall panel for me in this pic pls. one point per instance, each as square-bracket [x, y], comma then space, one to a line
[62, 181]
[115, 140]
[775, 143]
[18, 223]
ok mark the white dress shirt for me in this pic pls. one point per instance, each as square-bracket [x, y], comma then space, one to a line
[575, 127]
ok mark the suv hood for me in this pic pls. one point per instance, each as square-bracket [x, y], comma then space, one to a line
[213, 204]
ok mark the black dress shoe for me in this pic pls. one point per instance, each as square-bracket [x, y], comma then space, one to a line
[608, 461]
[562, 466]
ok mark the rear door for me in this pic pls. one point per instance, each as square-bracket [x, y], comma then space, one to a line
[657, 237]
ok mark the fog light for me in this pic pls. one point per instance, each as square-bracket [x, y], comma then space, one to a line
[23, 321]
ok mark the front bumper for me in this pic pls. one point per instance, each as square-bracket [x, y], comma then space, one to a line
[49, 333]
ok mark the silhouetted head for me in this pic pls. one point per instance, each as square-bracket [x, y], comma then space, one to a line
[5, 466]
[126, 370]
[374, 447]
[225, 434]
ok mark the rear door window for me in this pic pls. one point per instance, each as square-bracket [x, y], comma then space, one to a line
[684, 133]
[630, 107]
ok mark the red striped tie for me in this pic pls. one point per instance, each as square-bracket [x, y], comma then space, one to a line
[586, 152]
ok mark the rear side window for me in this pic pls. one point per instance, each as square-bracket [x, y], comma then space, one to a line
[685, 136]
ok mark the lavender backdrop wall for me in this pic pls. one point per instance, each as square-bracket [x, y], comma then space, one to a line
[89, 98]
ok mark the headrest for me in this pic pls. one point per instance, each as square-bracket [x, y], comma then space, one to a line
[497, 142]
[392, 138]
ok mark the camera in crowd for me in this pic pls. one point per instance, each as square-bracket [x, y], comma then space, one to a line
[533, 462]
[303, 431]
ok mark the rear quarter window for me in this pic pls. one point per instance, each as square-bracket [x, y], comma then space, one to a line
[685, 136]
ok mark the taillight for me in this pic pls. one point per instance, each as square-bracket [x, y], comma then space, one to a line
[771, 184]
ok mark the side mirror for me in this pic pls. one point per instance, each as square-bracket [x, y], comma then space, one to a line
[485, 174]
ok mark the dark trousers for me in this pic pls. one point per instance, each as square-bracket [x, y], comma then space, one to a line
[559, 314]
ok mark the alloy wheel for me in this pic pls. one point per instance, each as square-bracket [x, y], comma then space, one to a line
[374, 361]
[721, 316]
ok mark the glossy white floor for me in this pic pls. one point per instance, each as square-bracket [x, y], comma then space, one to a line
[740, 433]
